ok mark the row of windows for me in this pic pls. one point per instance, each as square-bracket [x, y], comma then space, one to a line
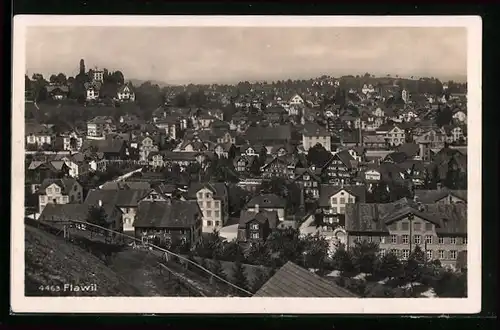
[208, 205]
[57, 190]
[211, 223]
[207, 195]
[208, 214]
[60, 199]
[342, 200]
[430, 255]
[417, 239]
[417, 226]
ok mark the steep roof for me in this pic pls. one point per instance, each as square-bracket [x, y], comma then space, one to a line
[77, 212]
[313, 129]
[219, 189]
[65, 184]
[261, 217]
[363, 217]
[175, 213]
[275, 133]
[327, 190]
[345, 157]
[294, 281]
[267, 201]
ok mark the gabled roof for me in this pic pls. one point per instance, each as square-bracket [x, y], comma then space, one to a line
[219, 189]
[294, 281]
[345, 157]
[313, 129]
[432, 196]
[448, 218]
[267, 201]
[328, 190]
[65, 184]
[77, 212]
[261, 217]
[397, 157]
[168, 214]
[410, 149]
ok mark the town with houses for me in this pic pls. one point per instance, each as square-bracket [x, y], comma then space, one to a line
[351, 186]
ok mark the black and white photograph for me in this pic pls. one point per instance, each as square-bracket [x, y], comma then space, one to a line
[214, 164]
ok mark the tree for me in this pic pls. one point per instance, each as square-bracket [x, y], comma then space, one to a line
[285, 245]
[73, 143]
[118, 78]
[239, 279]
[444, 117]
[257, 254]
[260, 278]
[315, 251]
[97, 216]
[342, 261]
[390, 266]
[255, 167]
[231, 154]
[53, 79]
[413, 267]
[61, 79]
[231, 251]
[82, 67]
[380, 193]
[318, 155]
[451, 284]
[365, 256]
[180, 100]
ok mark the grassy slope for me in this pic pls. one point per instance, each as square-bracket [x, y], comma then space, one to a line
[49, 260]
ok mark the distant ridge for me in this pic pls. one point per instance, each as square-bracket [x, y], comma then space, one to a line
[138, 82]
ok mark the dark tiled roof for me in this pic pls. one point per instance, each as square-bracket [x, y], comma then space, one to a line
[219, 189]
[77, 212]
[178, 214]
[363, 217]
[294, 281]
[261, 217]
[105, 146]
[120, 198]
[313, 129]
[126, 185]
[180, 156]
[432, 196]
[345, 157]
[275, 133]
[326, 191]
[65, 184]
[267, 201]
[397, 156]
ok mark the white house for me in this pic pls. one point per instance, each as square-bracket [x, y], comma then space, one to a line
[460, 116]
[125, 93]
[59, 191]
[296, 100]
[367, 89]
[92, 93]
[405, 95]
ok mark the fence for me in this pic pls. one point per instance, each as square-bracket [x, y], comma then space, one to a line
[151, 247]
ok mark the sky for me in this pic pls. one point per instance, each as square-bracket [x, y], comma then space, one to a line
[181, 55]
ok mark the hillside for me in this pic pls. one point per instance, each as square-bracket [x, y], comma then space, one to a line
[49, 260]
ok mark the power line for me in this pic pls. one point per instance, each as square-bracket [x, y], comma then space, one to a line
[163, 250]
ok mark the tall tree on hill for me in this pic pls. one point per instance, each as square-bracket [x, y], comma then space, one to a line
[82, 67]
[53, 79]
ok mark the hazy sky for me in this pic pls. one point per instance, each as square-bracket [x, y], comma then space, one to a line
[231, 54]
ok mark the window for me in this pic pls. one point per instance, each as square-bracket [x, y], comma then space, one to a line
[369, 239]
[393, 226]
[200, 195]
[334, 210]
[209, 223]
[209, 205]
[441, 254]
[216, 204]
[395, 252]
[464, 240]
[441, 240]
[57, 189]
[417, 226]
[334, 200]
[351, 200]
[42, 199]
[428, 239]
[209, 213]
[49, 190]
[382, 252]
[254, 235]
[394, 239]
[217, 214]
[254, 226]
[453, 254]
[383, 239]
[217, 223]
[404, 225]
[342, 210]
[453, 240]
[406, 253]
[65, 199]
[405, 239]
[428, 254]
[342, 200]
[418, 239]
[428, 226]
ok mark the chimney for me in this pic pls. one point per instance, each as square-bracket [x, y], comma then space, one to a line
[100, 203]
[342, 183]
[256, 208]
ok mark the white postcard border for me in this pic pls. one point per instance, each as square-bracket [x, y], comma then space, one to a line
[174, 305]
